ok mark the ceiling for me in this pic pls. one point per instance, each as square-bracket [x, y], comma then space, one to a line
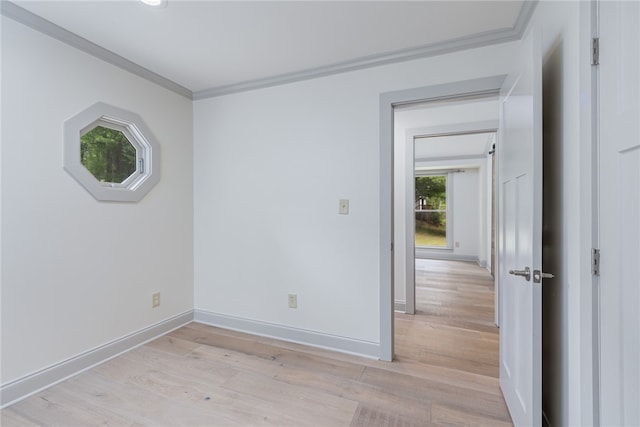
[455, 131]
[206, 48]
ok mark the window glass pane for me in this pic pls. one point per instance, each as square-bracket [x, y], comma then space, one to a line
[431, 229]
[431, 210]
[107, 154]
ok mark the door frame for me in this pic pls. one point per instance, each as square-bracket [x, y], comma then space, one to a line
[463, 128]
[388, 101]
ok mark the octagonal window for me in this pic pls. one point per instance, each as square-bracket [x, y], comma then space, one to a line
[111, 153]
[108, 155]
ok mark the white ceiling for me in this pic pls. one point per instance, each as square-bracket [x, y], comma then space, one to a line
[460, 126]
[211, 45]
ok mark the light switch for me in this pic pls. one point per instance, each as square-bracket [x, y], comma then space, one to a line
[293, 301]
[344, 207]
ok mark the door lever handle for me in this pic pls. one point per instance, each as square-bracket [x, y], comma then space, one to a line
[526, 273]
[537, 275]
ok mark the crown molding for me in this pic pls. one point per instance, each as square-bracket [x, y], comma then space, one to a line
[23, 16]
[463, 43]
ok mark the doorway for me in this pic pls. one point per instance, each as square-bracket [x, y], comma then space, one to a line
[447, 318]
[442, 186]
[482, 87]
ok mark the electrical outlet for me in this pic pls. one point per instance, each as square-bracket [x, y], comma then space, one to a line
[155, 300]
[344, 207]
[293, 301]
[457, 244]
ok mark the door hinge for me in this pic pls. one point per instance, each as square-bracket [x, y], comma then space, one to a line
[595, 51]
[595, 262]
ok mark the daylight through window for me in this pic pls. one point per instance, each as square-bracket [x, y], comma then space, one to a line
[431, 210]
[111, 153]
[108, 155]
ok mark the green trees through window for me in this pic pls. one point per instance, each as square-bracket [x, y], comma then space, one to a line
[107, 154]
[431, 210]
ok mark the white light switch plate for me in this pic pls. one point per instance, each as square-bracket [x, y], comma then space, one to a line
[344, 207]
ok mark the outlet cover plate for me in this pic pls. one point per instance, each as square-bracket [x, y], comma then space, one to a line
[293, 301]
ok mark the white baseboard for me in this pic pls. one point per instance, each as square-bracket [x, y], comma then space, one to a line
[286, 333]
[400, 306]
[423, 254]
[23, 387]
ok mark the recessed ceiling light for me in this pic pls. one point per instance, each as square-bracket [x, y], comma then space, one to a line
[156, 3]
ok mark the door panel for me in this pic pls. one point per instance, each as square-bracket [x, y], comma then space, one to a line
[619, 189]
[520, 225]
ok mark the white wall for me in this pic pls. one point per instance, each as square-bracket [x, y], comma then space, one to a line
[270, 166]
[78, 273]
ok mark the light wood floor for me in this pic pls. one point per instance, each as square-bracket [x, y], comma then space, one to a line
[445, 374]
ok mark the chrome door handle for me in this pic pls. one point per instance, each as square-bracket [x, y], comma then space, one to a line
[537, 275]
[526, 273]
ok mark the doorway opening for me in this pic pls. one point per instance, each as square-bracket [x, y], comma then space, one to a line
[389, 244]
[447, 317]
[443, 180]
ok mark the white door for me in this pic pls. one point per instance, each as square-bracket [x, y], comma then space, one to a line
[619, 189]
[520, 239]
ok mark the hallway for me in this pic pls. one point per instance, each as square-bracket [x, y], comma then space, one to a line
[453, 327]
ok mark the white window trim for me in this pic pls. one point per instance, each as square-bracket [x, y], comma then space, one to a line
[147, 173]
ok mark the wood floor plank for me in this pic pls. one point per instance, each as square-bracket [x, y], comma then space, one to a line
[173, 345]
[406, 387]
[318, 377]
[444, 373]
[14, 418]
[303, 405]
[443, 415]
[368, 415]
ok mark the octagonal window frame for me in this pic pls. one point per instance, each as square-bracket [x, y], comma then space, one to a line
[147, 173]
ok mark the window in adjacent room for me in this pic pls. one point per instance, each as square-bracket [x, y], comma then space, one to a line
[431, 211]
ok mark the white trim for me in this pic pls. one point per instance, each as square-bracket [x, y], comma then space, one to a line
[463, 43]
[440, 159]
[476, 87]
[468, 42]
[401, 306]
[23, 16]
[287, 333]
[427, 254]
[33, 21]
[28, 385]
